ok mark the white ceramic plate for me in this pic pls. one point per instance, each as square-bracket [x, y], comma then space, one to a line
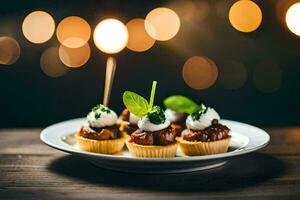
[245, 139]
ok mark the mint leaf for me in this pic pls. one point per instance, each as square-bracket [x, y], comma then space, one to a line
[181, 104]
[135, 103]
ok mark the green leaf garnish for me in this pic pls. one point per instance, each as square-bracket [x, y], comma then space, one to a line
[196, 115]
[157, 115]
[135, 103]
[181, 103]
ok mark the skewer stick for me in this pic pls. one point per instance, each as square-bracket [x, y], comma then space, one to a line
[111, 64]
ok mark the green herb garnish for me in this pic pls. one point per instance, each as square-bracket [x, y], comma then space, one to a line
[139, 106]
[196, 115]
[96, 110]
[157, 115]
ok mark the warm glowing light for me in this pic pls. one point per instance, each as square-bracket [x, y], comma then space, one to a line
[245, 16]
[199, 72]
[292, 18]
[232, 74]
[38, 27]
[162, 24]
[51, 64]
[267, 76]
[138, 38]
[74, 57]
[9, 50]
[73, 32]
[111, 36]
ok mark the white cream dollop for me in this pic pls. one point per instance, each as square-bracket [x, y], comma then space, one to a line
[106, 118]
[204, 120]
[133, 119]
[174, 116]
[145, 124]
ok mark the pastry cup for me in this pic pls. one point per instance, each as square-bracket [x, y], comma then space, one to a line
[101, 146]
[153, 151]
[203, 148]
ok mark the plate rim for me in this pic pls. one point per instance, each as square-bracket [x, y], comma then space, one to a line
[67, 148]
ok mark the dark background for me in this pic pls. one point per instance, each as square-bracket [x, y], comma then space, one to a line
[29, 98]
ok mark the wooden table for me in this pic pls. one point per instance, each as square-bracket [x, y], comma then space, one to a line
[32, 170]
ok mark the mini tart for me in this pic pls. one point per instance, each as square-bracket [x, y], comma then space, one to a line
[190, 148]
[151, 151]
[110, 146]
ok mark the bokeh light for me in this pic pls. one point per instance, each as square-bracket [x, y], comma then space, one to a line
[162, 24]
[9, 50]
[232, 74]
[73, 32]
[138, 38]
[292, 18]
[245, 16]
[111, 36]
[50, 63]
[199, 72]
[267, 76]
[38, 27]
[74, 57]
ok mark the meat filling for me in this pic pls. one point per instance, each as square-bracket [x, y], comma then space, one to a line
[161, 137]
[214, 132]
[178, 128]
[125, 115]
[106, 133]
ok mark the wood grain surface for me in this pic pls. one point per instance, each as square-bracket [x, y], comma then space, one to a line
[31, 170]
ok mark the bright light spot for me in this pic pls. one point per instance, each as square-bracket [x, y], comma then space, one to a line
[111, 36]
[138, 38]
[292, 18]
[9, 50]
[74, 57]
[232, 74]
[267, 76]
[199, 72]
[162, 24]
[245, 16]
[73, 32]
[38, 27]
[51, 64]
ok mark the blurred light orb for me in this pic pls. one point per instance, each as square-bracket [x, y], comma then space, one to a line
[38, 27]
[138, 38]
[74, 57]
[50, 63]
[199, 72]
[162, 24]
[245, 16]
[111, 36]
[232, 75]
[292, 18]
[9, 50]
[73, 32]
[267, 76]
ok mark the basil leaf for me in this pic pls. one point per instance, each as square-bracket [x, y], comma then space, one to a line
[181, 104]
[135, 103]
